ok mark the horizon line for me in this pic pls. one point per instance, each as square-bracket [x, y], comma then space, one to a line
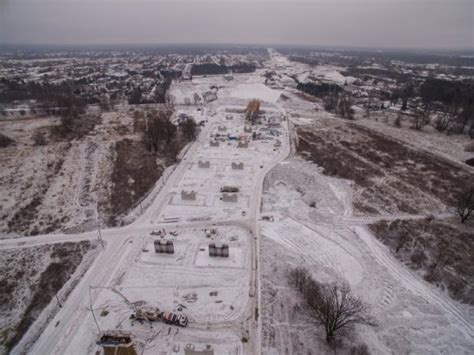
[220, 44]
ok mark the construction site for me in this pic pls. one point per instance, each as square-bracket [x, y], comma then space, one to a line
[185, 279]
[200, 265]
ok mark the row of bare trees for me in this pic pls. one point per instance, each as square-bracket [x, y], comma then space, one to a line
[161, 135]
[333, 305]
[340, 104]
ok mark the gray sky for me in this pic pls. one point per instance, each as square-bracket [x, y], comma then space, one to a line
[366, 23]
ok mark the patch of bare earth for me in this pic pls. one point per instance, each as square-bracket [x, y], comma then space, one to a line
[388, 176]
[441, 251]
[29, 279]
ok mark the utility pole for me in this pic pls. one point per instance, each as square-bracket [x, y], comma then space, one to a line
[99, 236]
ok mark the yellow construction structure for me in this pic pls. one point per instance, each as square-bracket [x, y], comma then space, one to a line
[252, 110]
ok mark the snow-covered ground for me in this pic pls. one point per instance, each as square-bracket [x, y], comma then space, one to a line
[413, 316]
[242, 304]
[256, 91]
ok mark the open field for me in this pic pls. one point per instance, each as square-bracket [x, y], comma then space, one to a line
[389, 177]
[64, 185]
[335, 246]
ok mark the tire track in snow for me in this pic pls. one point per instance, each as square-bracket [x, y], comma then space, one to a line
[412, 282]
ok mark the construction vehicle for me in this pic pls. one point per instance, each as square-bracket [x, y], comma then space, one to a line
[146, 314]
[150, 314]
[175, 319]
[229, 189]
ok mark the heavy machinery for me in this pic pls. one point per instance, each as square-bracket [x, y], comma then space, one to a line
[150, 314]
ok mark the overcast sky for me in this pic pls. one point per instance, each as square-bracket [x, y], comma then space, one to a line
[359, 23]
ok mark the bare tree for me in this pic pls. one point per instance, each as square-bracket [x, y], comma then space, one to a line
[402, 240]
[104, 103]
[464, 113]
[336, 308]
[189, 129]
[159, 130]
[196, 99]
[441, 256]
[330, 102]
[398, 121]
[344, 107]
[333, 305]
[298, 278]
[443, 121]
[38, 138]
[465, 205]
[420, 119]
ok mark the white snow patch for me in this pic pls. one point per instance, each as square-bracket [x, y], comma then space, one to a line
[256, 91]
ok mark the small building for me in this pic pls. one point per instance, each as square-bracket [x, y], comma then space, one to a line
[204, 164]
[229, 117]
[237, 166]
[243, 144]
[219, 250]
[222, 128]
[230, 197]
[116, 342]
[248, 129]
[188, 195]
[214, 143]
[209, 96]
[227, 188]
[164, 246]
[190, 349]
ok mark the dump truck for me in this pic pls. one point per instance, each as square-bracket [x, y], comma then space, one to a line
[150, 314]
[175, 319]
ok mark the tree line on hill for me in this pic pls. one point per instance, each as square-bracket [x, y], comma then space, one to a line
[220, 69]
